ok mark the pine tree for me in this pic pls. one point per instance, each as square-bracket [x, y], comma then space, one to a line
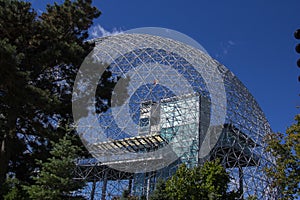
[39, 58]
[54, 180]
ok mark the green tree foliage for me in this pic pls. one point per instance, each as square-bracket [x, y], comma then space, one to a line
[285, 148]
[39, 58]
[14, 190]
[55, 178]
[209, 181]
[160, 192]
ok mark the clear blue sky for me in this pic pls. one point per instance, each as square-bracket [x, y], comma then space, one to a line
[254, 39]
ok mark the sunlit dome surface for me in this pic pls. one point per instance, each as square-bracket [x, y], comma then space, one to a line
[172, 104]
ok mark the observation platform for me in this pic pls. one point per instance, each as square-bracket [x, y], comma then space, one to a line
[232, 147]
[133, 144]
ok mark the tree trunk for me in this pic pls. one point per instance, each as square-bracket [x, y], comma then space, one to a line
[5, 153]
[6, 147]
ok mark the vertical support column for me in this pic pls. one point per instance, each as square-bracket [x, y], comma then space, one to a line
[93, 188]
[151, 180]
[241, 182]
[130, 184]
[104, 186]
[144, 184]
[148, 185]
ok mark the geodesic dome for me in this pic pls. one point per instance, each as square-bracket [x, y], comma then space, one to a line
[171, 104]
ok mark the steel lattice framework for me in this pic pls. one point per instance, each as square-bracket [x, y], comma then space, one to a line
[172, 104]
